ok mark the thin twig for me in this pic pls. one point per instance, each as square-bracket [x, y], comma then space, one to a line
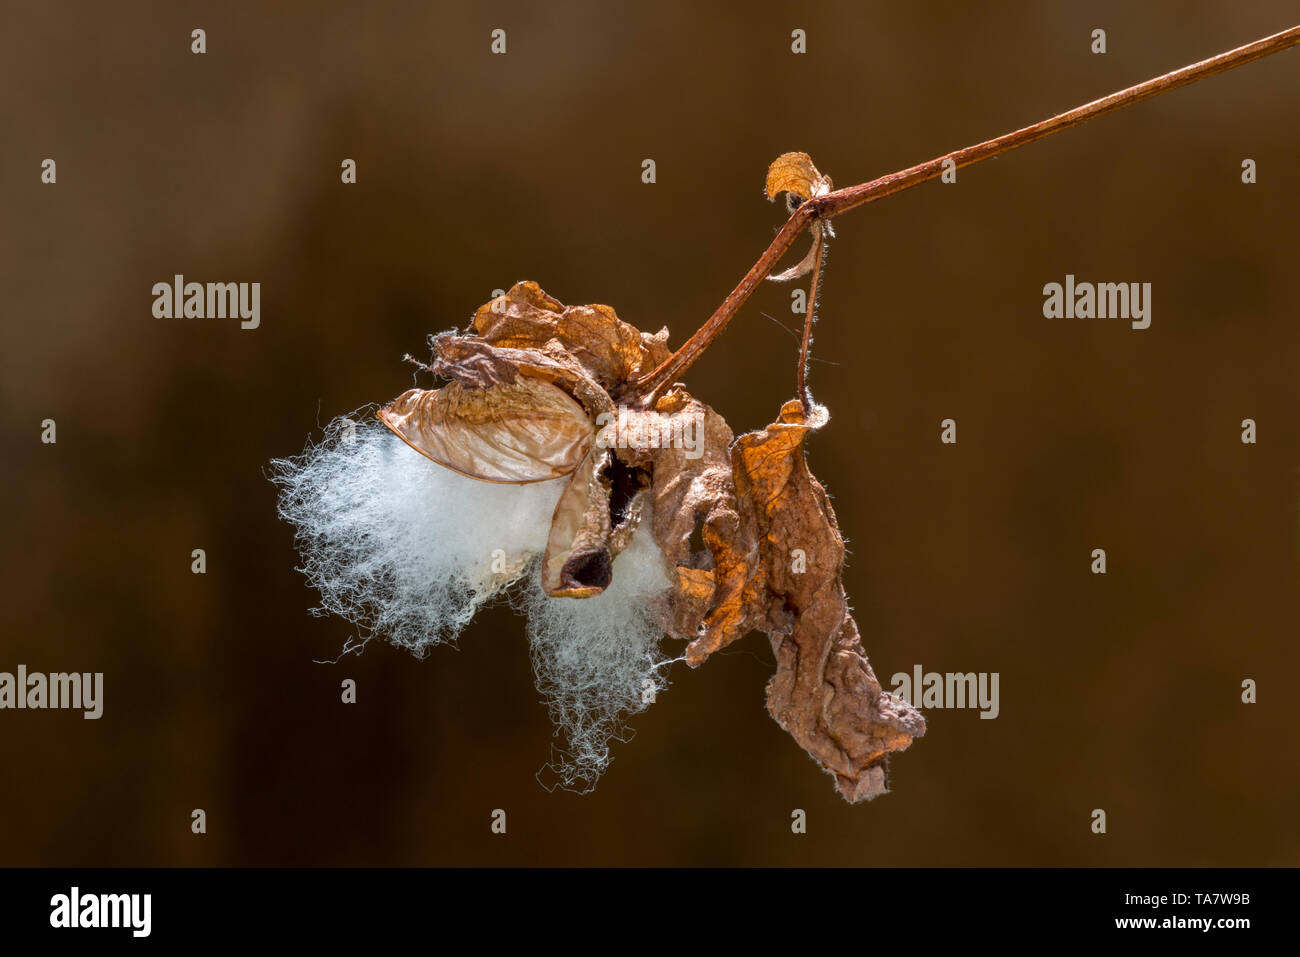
[810, 316]
[831, 204]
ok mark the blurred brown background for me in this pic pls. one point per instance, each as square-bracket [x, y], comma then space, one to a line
[1119, 692]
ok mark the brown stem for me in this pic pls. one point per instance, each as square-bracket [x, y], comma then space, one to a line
[819, 251]
[832, 204]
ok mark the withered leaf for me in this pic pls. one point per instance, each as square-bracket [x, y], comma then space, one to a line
[609, 349]
[824, 692]
[690, 493]
[524, 431]
[756, 506]
[478, 365]
[795, 173]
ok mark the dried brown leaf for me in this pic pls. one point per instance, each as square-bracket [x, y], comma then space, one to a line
[479, 365]
[609, 349]
[795, 173]
[709, 604]
[525, 431]
[824, 691]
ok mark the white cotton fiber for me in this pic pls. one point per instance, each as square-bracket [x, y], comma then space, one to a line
[598, 659]
[399, 545]
[409, 550]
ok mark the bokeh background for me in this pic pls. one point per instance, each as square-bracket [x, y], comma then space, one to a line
[1119, 692]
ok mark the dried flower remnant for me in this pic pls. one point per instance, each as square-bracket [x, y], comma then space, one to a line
[756, 503]
[528, 383]
[795, 175]
[497, 485]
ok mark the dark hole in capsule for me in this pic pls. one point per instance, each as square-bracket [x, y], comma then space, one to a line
[700, 556]
[594, 569]
[624, 482]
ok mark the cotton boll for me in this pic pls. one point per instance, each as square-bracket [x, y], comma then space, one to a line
[598, 659]
[408, 549]
[399, 545]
